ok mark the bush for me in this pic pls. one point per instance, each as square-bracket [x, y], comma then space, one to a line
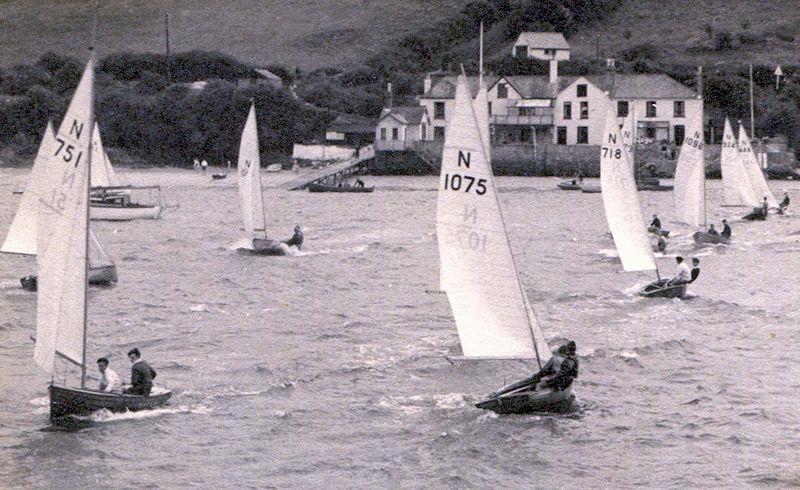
[785, 33]
[645, 51]
[723, 41]
[750, 39]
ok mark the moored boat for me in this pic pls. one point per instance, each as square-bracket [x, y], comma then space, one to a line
[318, 187]
[569, 185]
[219, 176]
[591, 188]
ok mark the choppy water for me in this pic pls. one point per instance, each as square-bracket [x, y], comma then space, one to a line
[328, 368]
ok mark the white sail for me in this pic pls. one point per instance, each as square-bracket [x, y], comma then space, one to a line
[21, 237]
[61, 237]
[478, 270]
[736, 187]
[690, 177]
[628, 137]
[621, 202]
[754, 173]
[250, 179]
[98, 257]
[101, 177]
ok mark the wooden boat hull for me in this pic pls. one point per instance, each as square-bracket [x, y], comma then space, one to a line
[527, 401]
[658, 231]
[663, 289]
[569, 186]
[314, 187]
[218, 176]
[105, 275]
[76, 401]
[113, 212]
[702, 237]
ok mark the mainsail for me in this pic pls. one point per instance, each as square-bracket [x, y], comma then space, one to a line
[621, 202]
[754, 173]
[628, 137]
[736, 187]
[250, 179]
[690, 177]
[103, 174]
[21, 237]
[62, 236]
[98, 257]
[478, 270]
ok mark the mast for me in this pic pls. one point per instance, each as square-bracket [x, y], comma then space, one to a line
[486, 151]
[703, 135]
[480, 56]
[88, 217]
[752, 111]
[257, 170]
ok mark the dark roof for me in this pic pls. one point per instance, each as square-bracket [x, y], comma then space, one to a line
[637, 86]
[530, 87]
[352, 123]
[549, 40]
[406, 114]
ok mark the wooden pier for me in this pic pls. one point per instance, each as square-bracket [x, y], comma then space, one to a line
[336, 171]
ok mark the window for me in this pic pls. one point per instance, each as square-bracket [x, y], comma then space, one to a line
[394, 133]
[650, 133]
[582, 90]
[525, 111]
[585, 109]
[526, 134]
[567, 110]
[383, 133]
[424, 132]
[680, 134]
[520, 51]
[550, 52]
[651, 108]
[502, 91]
[438, 133]
[622, 108]
[490, 108]
[438, 110]
[583, 135]
[679, 108]
[562, 135]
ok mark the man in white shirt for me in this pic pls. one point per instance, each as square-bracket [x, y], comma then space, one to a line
[682, 273]
[109, 381]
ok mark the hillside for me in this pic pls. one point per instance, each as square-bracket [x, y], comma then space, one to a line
[304, 33]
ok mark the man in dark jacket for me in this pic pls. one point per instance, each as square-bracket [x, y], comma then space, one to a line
[568, 370]
[554, 374]
[656, 223]
[726, 229]
[297, 238]
[142, 374]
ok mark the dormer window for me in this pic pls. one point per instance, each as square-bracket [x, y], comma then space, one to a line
[581, 90]
[502, 91]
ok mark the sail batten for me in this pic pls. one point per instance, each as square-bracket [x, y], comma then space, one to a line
[621, 201]
[21, 237]
[249, 165]
[478, 272]
[690, 177]
[62, 227]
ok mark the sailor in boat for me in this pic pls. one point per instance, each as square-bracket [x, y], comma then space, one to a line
[297, 238]
[726, 229]
[784, 204]
[558, 373]
[764, 207]
[359, 183]
[656, 223]
[109, 381]
[683, 274]
[142, 374]
[695, 269]
[712, 231]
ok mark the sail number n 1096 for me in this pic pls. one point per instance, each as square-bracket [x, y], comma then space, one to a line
[466, 183]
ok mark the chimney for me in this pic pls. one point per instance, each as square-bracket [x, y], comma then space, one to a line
[611, 77]
[553, 71]
[389, 89]
[699, 84]
[426, 84]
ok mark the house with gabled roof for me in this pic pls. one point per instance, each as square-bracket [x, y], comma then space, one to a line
[400, 128]
[542, 46]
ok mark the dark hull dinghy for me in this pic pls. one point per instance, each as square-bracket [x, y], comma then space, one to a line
[569, 185]
[663, 289]
[526, 400]
[218, 176]
[702, 237]
[658, 231]
[316, 187]
[757, 215]
[77, 401]
[103, 276]
[265, 246]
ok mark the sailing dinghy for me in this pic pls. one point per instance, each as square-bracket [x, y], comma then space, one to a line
[111, 198]
[250, 195]
[737, 189]
[21, 237]
[62, 241]
[756, 177]
[624, 213]
[478, 273]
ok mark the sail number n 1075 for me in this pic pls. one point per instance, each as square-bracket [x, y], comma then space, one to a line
[466, 183]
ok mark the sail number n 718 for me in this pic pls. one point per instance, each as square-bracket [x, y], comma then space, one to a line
[611, 152]
[466, 183]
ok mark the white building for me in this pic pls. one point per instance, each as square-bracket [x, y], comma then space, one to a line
[542, 46]
[661, 107]
[399, 128]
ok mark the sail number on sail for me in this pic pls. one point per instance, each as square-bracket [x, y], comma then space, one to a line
[694, 141]
[457, 182]
[68, 155]
[612, 152]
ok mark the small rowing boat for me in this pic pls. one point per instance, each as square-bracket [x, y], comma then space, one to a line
[702, 237]
[664, 288]
[318, 187]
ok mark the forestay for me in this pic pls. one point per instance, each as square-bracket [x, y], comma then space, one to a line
[61, 237]
[21, 237]
[621, 201]
[103, 174]
[478, 270]
[736, 187]
[98, 257]
[250, 179]
[754, 173]
[690, 177]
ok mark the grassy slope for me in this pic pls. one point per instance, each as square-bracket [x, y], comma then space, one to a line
[305, 33]
[676, 24]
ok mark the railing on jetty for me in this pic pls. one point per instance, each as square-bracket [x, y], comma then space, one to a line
[336, 170]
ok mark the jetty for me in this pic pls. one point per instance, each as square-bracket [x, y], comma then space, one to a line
[335, 171]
